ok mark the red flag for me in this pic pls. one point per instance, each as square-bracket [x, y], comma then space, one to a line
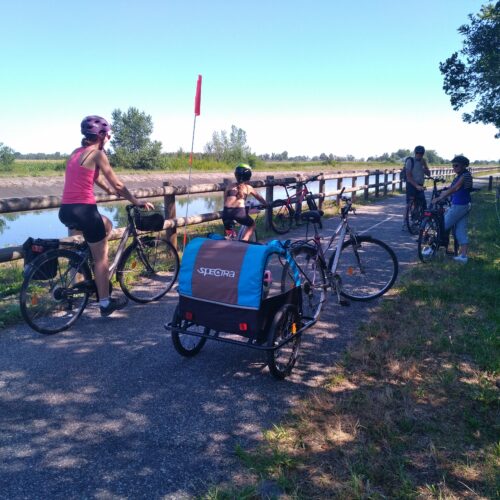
[197, 99]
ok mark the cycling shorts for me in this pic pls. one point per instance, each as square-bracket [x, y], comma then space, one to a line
[238, 214]
[83, 217]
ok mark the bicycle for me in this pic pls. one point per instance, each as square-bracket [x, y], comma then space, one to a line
[58, 283]
[416, 207]
[284, 212]
[432, 233]
[360, 268]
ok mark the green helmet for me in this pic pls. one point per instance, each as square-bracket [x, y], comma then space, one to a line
[243, 172]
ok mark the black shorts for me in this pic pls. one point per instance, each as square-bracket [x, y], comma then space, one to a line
[412, 192]
[239, 214]
[83, 217]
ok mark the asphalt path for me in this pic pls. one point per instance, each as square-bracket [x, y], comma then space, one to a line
[109, 409]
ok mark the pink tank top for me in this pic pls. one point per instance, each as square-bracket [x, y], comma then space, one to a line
[79, 181]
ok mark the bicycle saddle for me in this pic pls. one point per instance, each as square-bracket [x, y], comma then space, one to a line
[313, 216]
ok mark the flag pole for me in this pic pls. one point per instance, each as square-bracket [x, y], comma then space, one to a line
[197, 105]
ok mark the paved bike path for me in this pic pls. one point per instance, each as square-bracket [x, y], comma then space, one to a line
[110, 410]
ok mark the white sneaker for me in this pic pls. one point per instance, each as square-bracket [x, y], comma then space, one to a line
[427, 252]
[461, 258]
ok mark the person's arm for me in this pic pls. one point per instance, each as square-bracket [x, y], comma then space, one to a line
[257, 196]
[409, 177]
[427, 170]
[104, 185]
[450, 190]
[102, 162]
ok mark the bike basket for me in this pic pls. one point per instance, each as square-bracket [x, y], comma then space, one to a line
[32, 249]
[148, 221]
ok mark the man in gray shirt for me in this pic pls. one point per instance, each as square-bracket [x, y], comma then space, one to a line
[416, 169]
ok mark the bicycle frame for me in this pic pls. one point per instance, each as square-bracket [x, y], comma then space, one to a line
[130, 230]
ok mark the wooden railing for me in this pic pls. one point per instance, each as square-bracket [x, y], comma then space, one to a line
[385, 181]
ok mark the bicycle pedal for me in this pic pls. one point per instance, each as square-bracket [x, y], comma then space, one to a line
[344, 303]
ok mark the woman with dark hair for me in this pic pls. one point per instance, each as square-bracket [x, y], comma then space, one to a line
[78, 206]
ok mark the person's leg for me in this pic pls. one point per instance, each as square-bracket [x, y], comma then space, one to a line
[457, 216]
[248, 233]
[101, 267]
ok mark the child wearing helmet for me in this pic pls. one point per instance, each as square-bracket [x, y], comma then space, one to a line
[78, 206]
[234, 201]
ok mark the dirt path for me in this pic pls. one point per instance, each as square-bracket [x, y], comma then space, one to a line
[109, 409]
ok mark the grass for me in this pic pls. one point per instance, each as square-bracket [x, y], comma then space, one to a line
[413, 408]
[35, 168]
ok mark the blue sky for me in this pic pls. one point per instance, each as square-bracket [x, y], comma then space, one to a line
[330, 76]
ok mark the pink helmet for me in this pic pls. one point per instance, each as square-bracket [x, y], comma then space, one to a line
[95, 125]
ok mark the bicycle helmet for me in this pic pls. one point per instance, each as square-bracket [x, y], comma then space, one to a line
[419, 149]
[95, 125]
[462, 160]
[243, 172]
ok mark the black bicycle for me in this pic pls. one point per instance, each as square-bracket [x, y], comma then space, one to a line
[416, 208]
[432, 234]
[58, 283]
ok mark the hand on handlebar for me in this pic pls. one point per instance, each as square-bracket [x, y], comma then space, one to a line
[146, 205]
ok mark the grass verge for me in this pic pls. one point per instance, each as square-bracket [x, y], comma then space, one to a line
[413, 408]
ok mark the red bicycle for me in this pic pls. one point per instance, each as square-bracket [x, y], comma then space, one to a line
[284, 212]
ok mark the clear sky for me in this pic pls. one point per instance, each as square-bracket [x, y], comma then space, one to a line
[308, 77]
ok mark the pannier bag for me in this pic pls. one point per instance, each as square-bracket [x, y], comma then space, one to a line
[33, 248]
[221, 283]
[148, 221]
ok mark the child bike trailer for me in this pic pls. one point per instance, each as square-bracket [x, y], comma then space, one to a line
[226, 294]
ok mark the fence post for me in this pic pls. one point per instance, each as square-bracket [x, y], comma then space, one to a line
[354, 182]
[269, 199]
[339, 187]
[298, 202]
[367, 184]
[321, 191]
[393, 180]
[386, 178]
[170, 213]
[490, 183]
[377, 180]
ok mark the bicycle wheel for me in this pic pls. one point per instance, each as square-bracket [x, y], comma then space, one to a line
[428, 239]
[280, 217]
[285, 323]
[55, 291]
[312, 277]
[414, 216]
[187, 345]
[148, 269]
[367, 268]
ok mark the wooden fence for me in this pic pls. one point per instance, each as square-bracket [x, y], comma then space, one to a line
[385, 181]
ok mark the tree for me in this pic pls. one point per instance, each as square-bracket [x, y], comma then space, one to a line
[476, 80]
[132, 146]
[230, 149]
[7, 157]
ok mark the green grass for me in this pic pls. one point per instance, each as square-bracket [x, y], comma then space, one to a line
[37, 168]
[412, 410]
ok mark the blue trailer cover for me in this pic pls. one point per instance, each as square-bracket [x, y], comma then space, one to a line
[227, 272]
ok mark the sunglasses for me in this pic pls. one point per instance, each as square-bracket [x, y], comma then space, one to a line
[454, 165]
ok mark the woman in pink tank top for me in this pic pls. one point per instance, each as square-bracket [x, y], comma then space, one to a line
[78, 206]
